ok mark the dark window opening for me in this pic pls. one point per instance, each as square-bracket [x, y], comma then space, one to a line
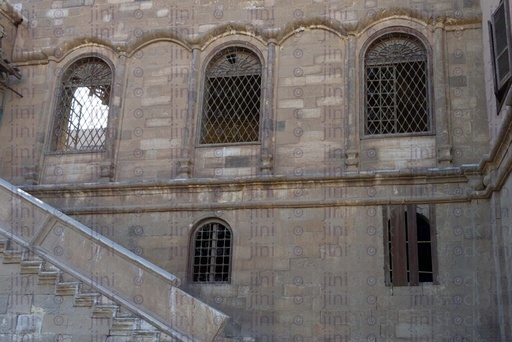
[409, 247]
[232, 98]
[211, 254]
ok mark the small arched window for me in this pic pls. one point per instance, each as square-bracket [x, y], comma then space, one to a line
[396, 86]
[410, 247]
[211, 253]
[232, 98]
[82, 109]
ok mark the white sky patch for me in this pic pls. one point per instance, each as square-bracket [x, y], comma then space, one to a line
[88, 111]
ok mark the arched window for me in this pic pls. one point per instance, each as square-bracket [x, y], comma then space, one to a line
[211, 253]
[409, 245]
[232, 98]
[82, 109]
[396, 86]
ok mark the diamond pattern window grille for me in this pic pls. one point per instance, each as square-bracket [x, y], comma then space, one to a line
[232, 98]
[212, 254]
[396, 79]
[83, 107]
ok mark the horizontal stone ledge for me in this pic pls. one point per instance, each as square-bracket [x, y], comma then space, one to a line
[356, 178]
[265, 204]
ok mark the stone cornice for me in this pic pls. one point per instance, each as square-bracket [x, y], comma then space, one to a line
[351, 189]
[265, 34]
[361, 178]
[10, 12]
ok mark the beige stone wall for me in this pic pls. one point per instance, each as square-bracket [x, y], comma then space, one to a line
[314, 103]
[318, 273]
[499, 128]
[500, 224]
[308, 241]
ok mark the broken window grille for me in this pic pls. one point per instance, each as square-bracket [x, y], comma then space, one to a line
[83, 106]
[211, 259]
[232, 98]
[396, 86]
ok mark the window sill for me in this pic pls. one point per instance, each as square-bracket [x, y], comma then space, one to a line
[61, 153]
[398, 135]
[229, 144]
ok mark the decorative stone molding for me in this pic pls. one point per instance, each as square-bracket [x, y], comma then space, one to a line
[31, 174]
[352, 160]
[266, 164]
[107, 171]
[444, 155]
[8, 10]
[475, 178]
[476, 181]
[264, 34]
[184, 168]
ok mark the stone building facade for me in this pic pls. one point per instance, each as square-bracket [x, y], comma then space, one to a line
[255, 170]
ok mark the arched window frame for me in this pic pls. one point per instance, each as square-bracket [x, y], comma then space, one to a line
[378, 106]
[230, 129]
[410, 245]
[206, 264]
[67, 134]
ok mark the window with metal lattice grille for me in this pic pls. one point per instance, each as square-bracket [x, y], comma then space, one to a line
[232, 98]
[82, 110]
[211, 253]
[396, 86]
[410, 246]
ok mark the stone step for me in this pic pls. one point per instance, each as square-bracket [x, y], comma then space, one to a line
[133, 328]
[146, 335]
[48, 274]
[12, 256]
[104, 310]
[119, 339]
[86, 299]
[3, 244]
[30, 266]
[66, 288]
[123, 325]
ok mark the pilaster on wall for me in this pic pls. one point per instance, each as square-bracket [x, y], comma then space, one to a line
[107, 168]
[440, 99]
[352, 115]
[186, 162]
[267, 135]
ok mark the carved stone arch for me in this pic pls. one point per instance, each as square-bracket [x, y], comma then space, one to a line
[375, 33]
[156, 36]
[83, 45]
[242, 32]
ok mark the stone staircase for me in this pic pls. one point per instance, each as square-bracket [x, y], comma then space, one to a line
[118, 324]
[143, 303]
